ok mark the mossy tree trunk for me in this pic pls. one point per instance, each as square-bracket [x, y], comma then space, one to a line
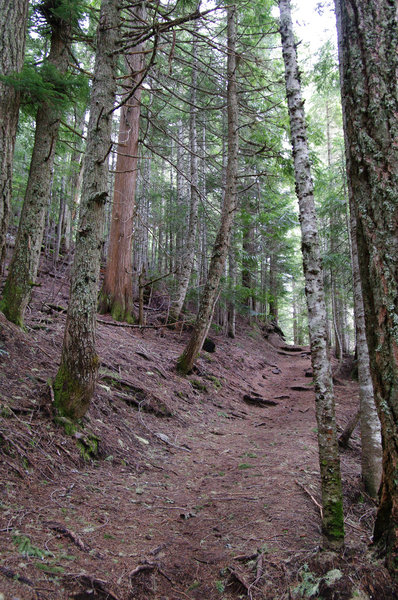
[116, 295]
[368, 41]
[332, 500]
[75, 381]
[209, 296]
[13, 19]
[24, 264]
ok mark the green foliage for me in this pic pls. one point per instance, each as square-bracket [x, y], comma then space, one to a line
[46, 85]
[26, 548]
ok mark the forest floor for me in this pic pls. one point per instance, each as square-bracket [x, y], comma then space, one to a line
[175, 487]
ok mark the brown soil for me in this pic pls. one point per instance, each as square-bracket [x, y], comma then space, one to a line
[175, 487]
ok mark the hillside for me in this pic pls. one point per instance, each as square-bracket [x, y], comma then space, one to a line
[174, 487]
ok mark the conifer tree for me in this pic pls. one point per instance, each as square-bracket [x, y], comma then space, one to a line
[116, 295]
[75, 380]
[220, 250]
[13, 19]
[368, 41]
[61, 16]
[332, 522]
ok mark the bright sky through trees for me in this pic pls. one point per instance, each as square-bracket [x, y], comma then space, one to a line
[312, 25]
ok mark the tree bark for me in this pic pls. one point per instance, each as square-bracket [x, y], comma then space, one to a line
[24, 264]
[75, 380]
[116, 294]
[368, 39]
[189, 254]
[209, 296]
[371, 453]
[13, 19]
[333, 522]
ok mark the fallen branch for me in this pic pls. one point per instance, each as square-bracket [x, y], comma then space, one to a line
[238, 583]
[145, 566]
[98, 585]
[128, 325]
[69, 534]
[258, 401]
[311, 496]
[13, 575]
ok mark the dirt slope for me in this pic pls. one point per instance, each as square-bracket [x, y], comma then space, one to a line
[175, 487]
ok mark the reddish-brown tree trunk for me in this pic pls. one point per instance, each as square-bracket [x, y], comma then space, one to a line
[116, 295]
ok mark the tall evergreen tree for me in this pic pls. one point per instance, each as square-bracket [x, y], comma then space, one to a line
[220, 250]
[116, 295]
[368, 41]
[333, 522]
[13, 19]
[61, 16]
[75, 380]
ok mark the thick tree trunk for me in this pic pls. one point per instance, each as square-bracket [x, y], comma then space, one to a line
[13, 19]
[368, 40]
[220, 250]
[24, 264]
[333, 522]
[189, 253]
[75, 380]
[116, 294]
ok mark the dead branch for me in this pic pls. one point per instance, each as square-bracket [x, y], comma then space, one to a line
[75, 539]
[311, 496]
[127, 325]
[258, 401]
[93, 583]
[13, 575]
[145, 566]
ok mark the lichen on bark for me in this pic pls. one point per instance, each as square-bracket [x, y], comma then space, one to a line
[332, 522]
[75, 381]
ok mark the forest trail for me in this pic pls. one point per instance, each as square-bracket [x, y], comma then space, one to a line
[215, 499]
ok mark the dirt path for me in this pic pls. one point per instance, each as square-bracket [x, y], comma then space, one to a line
[208, 504]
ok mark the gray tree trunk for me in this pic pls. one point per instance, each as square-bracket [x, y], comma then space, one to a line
[368, 41]
[371, 452]
[333, 522]
[75, 380]
[13, 19]
[189, 253]
[220, 250]
[24, 264]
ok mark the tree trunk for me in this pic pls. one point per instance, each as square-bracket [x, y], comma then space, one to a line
[371, 453]
[189, 254]
[231, 305]
[13, 19]
[116, 294]
[24, 264]
[333, 522]
[368, 40]
[75, 380]
[216, 268]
